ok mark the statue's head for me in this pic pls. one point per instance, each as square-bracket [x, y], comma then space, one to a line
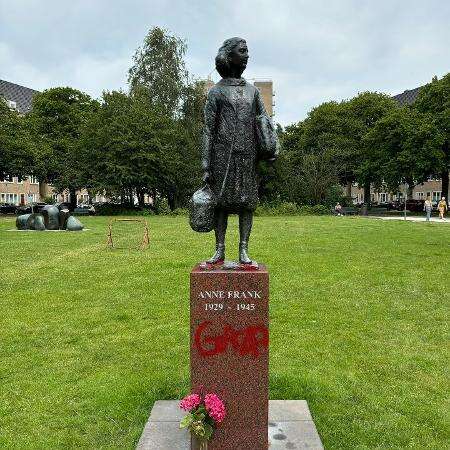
[232, 57]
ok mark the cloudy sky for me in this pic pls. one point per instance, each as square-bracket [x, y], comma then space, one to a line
[313, 51]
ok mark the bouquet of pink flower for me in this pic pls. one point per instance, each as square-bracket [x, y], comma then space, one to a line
[203, 414]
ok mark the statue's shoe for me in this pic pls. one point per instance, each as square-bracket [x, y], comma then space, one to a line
[218, 257]
[243, 255]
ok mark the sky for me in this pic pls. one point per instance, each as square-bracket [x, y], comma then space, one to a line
[314, 51]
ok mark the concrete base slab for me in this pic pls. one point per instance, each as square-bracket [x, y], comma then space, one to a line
[290, 427]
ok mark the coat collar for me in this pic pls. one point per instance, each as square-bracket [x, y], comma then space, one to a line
[233, 82]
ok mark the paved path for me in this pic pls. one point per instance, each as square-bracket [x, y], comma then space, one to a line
[290, 426]
[411, 218]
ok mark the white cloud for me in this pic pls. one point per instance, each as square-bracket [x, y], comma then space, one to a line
[313, 51]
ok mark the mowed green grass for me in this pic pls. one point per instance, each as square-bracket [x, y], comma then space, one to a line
[90, 338]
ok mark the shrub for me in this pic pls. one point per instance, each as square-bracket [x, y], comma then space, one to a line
[162, 206]
[49, 200]
[118, 209]
[290, 209]
[179, 212]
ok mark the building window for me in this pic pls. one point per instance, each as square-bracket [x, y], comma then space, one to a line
[11, 198]
[33, 179]
[19, 180]
[12, 104]
[383, 197]
[31, 198]
[420, 195]
[2, 198]
[436, 196]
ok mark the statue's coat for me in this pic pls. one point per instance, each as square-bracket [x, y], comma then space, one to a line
[229, 147]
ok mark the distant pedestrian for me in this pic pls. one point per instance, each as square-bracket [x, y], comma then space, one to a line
[442, 207]
[338, 209]
[428, 207]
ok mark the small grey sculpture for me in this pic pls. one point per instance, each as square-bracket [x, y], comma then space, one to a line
[235, 137]
[73, 224]
[22, 222]
[36, 222]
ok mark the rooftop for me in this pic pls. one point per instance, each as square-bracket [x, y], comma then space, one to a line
[21, 95]
[407, 97]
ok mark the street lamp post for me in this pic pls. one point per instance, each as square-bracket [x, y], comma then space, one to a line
[406, 196]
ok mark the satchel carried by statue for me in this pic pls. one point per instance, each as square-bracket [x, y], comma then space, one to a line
[202, 210]
[266, 138]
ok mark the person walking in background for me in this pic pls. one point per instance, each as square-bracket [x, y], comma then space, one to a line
[442, 207]
[428, 207]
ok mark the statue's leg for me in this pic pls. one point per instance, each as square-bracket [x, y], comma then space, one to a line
[220, 231]
[245, 228]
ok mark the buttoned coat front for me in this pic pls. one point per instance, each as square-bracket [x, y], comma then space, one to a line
[229, 150]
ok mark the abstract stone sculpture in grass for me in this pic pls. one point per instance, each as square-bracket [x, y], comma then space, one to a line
[50, 218]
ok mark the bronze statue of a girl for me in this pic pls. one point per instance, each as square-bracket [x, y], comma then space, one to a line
[230, 146]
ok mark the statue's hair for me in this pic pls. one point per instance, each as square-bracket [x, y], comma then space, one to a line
[222, 58]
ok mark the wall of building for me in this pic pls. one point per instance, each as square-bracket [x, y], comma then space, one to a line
[266, 90]
[27, 191]
[19, 192]
[431, 188]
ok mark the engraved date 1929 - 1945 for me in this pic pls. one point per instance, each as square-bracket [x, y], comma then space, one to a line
[236, 307]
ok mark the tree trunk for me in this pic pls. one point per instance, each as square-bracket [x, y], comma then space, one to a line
[42, 190]
[445, 182]
[366, 206]
[171, 200]
[410, 191]
[140, 196]
[348, 189]
[130, 197]
[73, 199]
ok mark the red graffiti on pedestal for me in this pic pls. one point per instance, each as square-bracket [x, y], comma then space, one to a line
[248, 341]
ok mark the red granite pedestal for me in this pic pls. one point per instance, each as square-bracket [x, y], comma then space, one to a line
[230, 351]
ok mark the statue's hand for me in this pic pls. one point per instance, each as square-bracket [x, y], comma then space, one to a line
[207, 177]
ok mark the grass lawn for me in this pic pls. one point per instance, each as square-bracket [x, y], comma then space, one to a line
[90, 338]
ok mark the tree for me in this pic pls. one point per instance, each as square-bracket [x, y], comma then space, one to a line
[406, 147]
[56, 121]
[159, 71]
[160, 80]
[434, 99]
[126, 142]
[364, 111]
[330, 129]
[16, 147]
[307, 157]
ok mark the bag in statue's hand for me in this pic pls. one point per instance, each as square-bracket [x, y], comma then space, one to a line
[266, 138]
[201, 210]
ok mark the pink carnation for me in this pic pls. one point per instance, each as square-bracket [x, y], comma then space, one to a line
[190, 402]
[215, 407]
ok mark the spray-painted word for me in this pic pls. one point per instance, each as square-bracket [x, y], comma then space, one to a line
[248, 341]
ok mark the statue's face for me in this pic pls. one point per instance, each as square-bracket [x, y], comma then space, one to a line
[239, 56]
